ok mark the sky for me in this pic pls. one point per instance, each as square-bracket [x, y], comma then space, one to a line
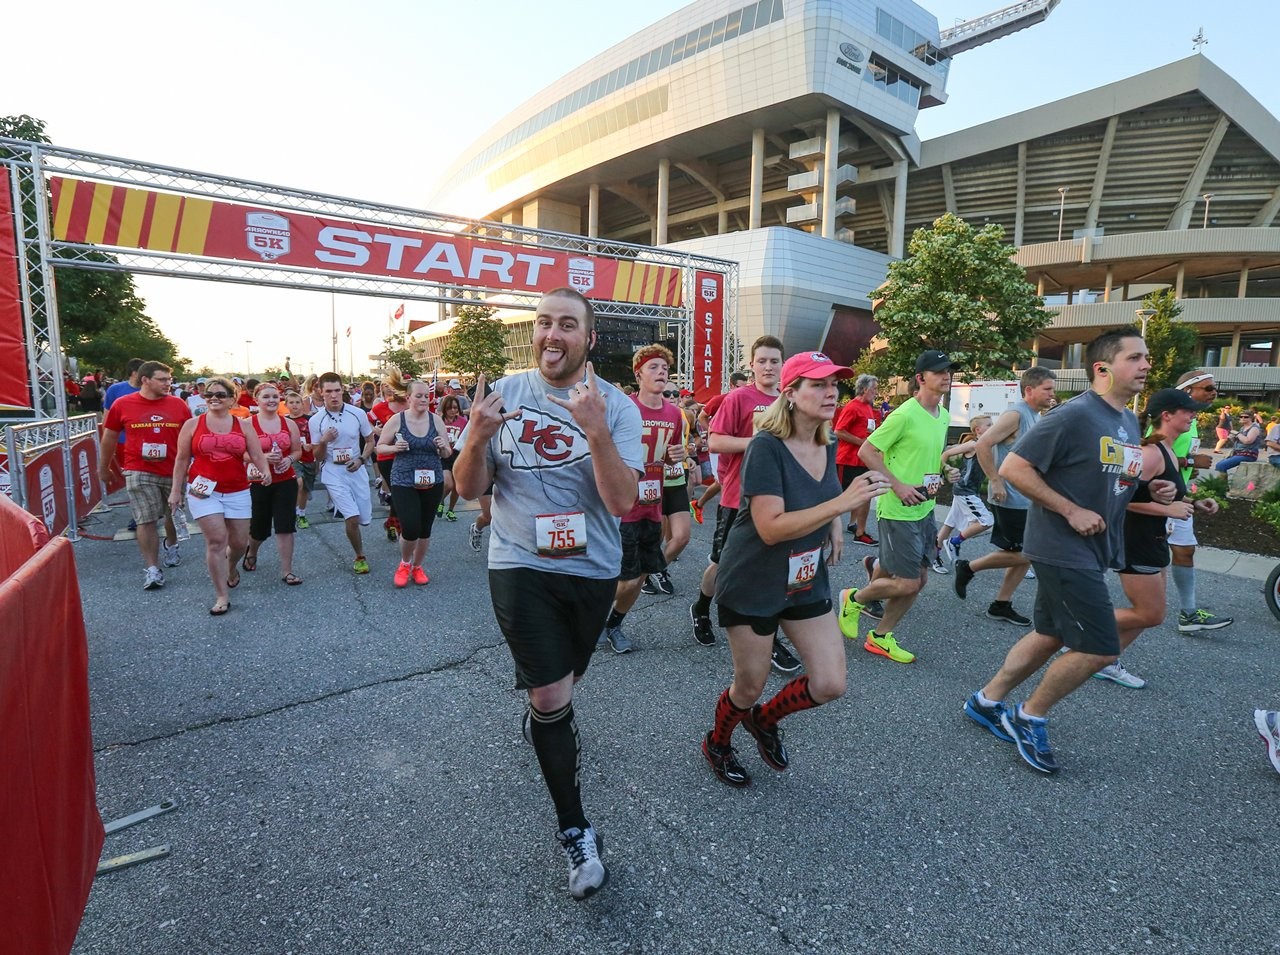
[375, 100]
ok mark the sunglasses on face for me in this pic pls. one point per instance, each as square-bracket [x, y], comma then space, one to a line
[671, 394]
[216, 394]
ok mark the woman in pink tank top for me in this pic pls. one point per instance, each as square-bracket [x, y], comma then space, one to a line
[273, 504]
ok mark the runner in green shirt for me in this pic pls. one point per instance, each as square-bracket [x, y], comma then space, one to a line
[908, 448]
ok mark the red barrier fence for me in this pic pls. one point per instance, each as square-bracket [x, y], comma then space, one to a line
[50, 831]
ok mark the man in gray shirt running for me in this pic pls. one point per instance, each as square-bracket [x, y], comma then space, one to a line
[1080, 466]
[562, 450]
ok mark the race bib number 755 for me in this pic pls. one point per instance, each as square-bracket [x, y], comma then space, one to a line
[561, 535]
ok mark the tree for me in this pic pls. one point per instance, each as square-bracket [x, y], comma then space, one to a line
[395, 349]
[477, 343]
[1171, 345]
[960, 291]
[129, 336]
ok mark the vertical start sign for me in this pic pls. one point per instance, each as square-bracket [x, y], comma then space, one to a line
[708, 331]
[14, 387]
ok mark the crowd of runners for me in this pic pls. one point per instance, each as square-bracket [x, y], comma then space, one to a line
[589, 491]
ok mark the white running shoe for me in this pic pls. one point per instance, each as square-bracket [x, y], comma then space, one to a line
[587, 874]
[1268, 724]
[473, 537]
[153, 579]
[1030, 574]
[172, 556]
[1116, 673]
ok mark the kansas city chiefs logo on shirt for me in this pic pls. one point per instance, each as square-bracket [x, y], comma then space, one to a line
[538, 439]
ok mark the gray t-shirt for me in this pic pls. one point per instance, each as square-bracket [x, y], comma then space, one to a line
[542, 470]
[1027, 418]
[1090, 453]
[759, 580]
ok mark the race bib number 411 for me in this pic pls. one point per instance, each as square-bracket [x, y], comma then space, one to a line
[561, 535]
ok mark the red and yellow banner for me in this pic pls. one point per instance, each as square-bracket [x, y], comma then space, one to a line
[15, 391]
[100, 213]
[708, 331]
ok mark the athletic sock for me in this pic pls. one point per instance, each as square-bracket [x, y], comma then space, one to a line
[982, 698]
[703, 605]
[555, 740]
[1027, 716]
[956, 540]
[727, 717]
[792, 698]
[615, 619]
[1184, 578]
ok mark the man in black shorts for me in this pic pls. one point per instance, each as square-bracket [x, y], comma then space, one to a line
[1080, 466]
[1008, 504]
[562, 451]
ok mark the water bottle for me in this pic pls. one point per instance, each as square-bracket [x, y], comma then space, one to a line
[180, 523]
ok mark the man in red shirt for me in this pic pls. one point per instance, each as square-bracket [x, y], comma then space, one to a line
[149, 422]
[661, 428]
[857, 419]
[731, 431]
[736, 381]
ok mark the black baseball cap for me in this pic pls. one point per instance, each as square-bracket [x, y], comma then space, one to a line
[1172, 399]
[934, 360]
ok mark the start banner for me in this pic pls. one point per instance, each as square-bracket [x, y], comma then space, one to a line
[99, 213]
[708, 330]
[14, 386]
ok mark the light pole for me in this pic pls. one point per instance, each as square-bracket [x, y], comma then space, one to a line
[247, 366]
[1143, 315]
[1062, 207]
[1206, 197]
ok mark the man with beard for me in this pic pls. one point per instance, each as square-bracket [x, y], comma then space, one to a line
[562, 450]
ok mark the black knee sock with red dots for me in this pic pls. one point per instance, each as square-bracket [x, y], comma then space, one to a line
[727, 717]
[792, 698]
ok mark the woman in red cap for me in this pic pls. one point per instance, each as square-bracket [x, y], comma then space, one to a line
[774, 566]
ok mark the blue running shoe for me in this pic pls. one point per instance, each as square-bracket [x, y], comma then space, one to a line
[987, 717]
[1032, 739]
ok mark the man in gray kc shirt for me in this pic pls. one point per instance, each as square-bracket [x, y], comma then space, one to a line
[1080, 466]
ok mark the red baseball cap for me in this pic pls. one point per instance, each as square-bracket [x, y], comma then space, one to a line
[811, 364]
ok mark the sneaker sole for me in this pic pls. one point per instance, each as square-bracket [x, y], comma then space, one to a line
[995, 729]
[881, 652]
[1127, 686]
[1016, 623]
[781, 669]
[1203, 627]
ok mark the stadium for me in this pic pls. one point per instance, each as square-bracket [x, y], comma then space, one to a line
[781, 135]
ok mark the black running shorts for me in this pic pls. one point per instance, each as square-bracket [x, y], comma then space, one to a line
[1010, 527]
[675, 499]
[768, 626]
[1074, 606]
[725, 516]
[550, 621]
[641, 549]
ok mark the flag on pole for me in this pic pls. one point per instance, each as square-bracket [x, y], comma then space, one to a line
[400, 312]
[348, 331]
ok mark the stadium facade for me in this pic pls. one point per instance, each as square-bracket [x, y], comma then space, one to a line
[781, 134]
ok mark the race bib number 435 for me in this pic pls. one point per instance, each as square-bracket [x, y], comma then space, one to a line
[561, 535]
[802, 568]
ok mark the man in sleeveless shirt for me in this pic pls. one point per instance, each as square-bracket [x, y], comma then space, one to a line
[1008, 504]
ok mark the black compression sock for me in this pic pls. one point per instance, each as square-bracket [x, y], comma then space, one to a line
[555, 740]
[703, 605]
[615, 619]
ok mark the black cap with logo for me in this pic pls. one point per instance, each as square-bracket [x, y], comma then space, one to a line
[934, 360]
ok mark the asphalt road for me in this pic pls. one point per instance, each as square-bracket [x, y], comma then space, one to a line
[351, 778]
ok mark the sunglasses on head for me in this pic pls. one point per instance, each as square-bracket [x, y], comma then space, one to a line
[216, 394]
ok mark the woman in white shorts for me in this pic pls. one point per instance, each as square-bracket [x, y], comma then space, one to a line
[211, 454]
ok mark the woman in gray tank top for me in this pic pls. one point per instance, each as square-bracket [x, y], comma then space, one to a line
[416, 437]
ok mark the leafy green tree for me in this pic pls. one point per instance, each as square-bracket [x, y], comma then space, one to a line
[396, 351]
[960, 291]
[1171, 345]
[477, 343]
[129, 335]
